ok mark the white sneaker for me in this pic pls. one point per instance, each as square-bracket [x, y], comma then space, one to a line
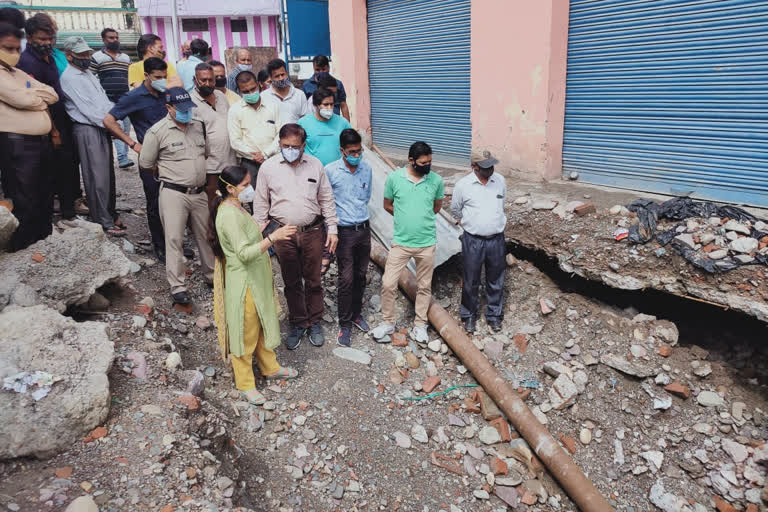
[382, 330]
[65, 223]
[419, 334]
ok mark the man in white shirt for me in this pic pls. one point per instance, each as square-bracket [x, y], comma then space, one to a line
[291, 102]
[478, 200]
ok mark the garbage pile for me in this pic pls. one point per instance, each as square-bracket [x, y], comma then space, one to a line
[711, 237]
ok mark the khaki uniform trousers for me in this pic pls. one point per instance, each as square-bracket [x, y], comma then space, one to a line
[397, 260]
[176, 209]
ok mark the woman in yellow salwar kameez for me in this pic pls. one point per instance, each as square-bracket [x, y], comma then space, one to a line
[245, 304]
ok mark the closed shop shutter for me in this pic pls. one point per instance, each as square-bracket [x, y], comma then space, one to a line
[419, 53]
[669, 96]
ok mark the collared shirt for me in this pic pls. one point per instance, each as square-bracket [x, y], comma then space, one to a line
[215, 120]
[292, 108]
[480, 207]
[311, 86]
[323, 136]
[254, 129]
[136, 72]
[178, 155]
[143, 107]
[294, 195]
[85, 99]
[47, 73]
[351, 191]
[232, 80]
[232, 97]
[414, 207]
[186, 71]
[23, 103]
[112, 73]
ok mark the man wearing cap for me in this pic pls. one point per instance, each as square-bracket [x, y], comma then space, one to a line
[176, 149]
[478, 201]
[87, 105]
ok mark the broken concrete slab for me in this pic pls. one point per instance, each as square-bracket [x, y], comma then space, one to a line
[8, 225]
[627, 367]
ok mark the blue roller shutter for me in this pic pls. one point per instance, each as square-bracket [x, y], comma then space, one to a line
[669, 96]
[419, 53]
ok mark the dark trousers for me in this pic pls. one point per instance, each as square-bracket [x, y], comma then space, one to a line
[152, 193]
[65, 165]
[27, 181]
[299, 258]
[211, 186]
[352, 256]
[476, 252]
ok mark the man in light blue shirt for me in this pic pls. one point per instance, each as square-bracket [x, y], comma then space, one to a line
[478, 201]
[323, 128]
[351, 179]
[186, 68]
[87, 105]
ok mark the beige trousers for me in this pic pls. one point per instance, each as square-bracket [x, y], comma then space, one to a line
[399, 257]
[176, 209]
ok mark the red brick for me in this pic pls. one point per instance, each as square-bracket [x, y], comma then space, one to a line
[665, 351]
[709, 248]
[521, 342]
[529, 498]
[7, 203]
[64, 472]
[501, 425]
[95, 434]
[191, 401]
[752, 508]
[142, 309]
[584, 209]
[38, 258]
[723, 506]
[678, 389]
[444, 461]
[183, 308]
[499, 467]
[568, 442]
[430, 384]
[399, 340]
[167, 508]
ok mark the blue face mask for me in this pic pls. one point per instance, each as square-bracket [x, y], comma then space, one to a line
[353, 160]
[159, 85]
[245, 67]
[183, 117]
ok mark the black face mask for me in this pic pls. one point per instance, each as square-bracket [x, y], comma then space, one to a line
[44, 50]
[205, 90]
[81, 63]
[422, 169]
[485, 173]
[221, 81]
[112, 46]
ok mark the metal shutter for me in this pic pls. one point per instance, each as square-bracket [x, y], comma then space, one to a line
[419, 53]
[669, 96]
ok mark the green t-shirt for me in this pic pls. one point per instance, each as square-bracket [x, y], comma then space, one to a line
[414, 207]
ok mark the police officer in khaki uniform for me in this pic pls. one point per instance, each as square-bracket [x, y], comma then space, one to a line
[176, 149]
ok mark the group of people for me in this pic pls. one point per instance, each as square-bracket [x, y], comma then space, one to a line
[247, 163]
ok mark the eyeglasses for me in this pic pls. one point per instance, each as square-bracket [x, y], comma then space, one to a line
[357, 152]
[290, 147]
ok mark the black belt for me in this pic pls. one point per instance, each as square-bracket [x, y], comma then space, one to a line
[23, 136]
[183, 189]
[489, 237]
[357, 227]
[308, 227]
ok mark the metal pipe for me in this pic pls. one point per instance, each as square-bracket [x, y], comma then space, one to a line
[581, 490]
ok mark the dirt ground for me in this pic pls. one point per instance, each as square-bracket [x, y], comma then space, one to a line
[347, 436]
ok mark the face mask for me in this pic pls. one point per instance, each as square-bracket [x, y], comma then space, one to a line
[290, 154]
[183, 117]
[252, 98]
[43, 50]
[246, 196]
[82, 64]
[326, 113]
[353, 160]
[245, 67]
[159, 85]
[322, 74]
[112, 46]
[9, 58]
[205, 90]
[422, 169]
[282, 84]
[221, 81]
[485, 173]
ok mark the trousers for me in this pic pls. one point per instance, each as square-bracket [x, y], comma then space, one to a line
[253, 341]
[121, 147]
[152, 194]
[94, 145]
[300, 259]
[399, 257]
[65, 166]
[476, 252]
[352, 256]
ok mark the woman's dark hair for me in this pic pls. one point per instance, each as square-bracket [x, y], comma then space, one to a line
[419, 149]
[348, 137]
[232, 175]
[290, 129]
[144, 43]
[320, 94]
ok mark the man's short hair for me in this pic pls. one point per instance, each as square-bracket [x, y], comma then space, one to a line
[198, 47]
[327, 81]
[40, 22]
[107, 31]
[216, 64]
[203, 66]
[7, 29]
[145, 41]
[12, 16]
[320, 94]
[154, 64]
[263, 75]
[349, 137]
[244, 77]
[321, 61]
[275, 64]
[419, 149]
[291, 129]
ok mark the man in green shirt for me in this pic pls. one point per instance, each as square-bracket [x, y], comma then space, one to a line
[414, 195]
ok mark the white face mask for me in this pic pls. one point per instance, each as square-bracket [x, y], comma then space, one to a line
[325, 113]
[290, 154]
[246, 196]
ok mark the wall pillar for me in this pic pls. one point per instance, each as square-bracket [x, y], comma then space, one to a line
[519, 57]
[349, 55]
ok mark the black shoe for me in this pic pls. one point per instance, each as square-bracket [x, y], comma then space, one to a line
[189, 253]
[361, 324]
[125, 164]
[293, 340]
[469, 324]
[494, 324]
[160, 255]
[345, 337]
[181, 298]
[316, 335]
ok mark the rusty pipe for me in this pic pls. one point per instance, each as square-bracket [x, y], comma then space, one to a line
[581, 490]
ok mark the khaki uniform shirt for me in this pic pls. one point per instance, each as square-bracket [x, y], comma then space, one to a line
[254, 129]
[177, 155]
[221, 153]
[24, 103]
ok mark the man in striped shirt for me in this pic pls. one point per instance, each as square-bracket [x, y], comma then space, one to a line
[111, 66]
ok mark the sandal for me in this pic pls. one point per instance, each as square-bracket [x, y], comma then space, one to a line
[115, 231]
[324, 266]
[283, 373]
[119, 225]
[253, 397]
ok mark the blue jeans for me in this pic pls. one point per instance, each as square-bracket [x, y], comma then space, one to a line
[121, 147]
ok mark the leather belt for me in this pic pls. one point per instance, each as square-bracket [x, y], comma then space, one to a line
[315, 224]
[489, 237]
[183, 189]
[357, 227]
